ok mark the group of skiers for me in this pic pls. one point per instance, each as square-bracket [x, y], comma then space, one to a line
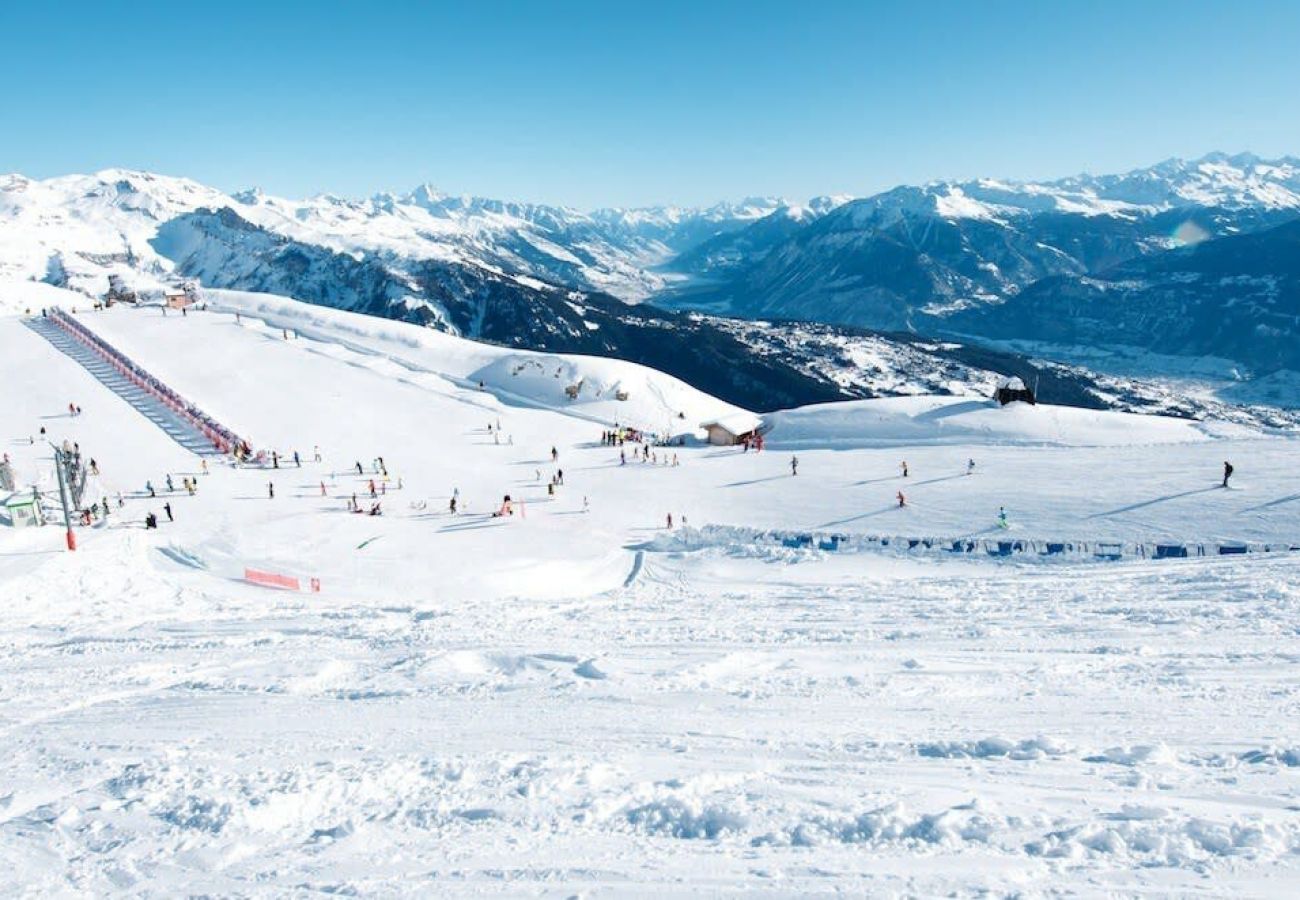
[648, 457]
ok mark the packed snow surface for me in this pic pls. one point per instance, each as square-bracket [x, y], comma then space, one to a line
[570, 700]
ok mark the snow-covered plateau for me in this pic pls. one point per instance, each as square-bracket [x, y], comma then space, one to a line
[575, 700]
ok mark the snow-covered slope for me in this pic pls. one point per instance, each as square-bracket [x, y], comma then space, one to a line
[572, 699]
[586, 386]
[913, 421]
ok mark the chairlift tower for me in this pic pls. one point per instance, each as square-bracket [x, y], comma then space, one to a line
[61, 460]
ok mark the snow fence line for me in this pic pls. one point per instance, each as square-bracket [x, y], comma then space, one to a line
[223, 438]
[733, 535]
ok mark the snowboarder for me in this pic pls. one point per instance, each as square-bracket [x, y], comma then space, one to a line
[970, 467]
[167, 508]
[1227, 472]
[270, 490]
[794, 465]
[150, 521]
[296, 460]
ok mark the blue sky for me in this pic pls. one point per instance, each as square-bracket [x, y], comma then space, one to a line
[626, 104]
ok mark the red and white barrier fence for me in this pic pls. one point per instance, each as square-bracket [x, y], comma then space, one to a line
[277, 580]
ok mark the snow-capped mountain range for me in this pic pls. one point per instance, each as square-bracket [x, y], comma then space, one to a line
[993, 259]
[895, 258]
[87, 226]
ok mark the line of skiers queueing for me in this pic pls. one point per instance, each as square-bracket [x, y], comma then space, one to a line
[647, 456]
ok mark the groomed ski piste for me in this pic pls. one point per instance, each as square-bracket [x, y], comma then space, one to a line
[575, 700]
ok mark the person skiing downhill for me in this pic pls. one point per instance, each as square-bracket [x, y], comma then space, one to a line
[902, 500]
[1002, 517]
[970, 467]
[555, 455]
[904, 468]
[670, 521]
[1227, 472]
[270, 490]
[794, 465]
[167, 508]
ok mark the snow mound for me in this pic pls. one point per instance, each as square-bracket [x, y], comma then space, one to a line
[604, 390]
[894, 825]
[1160, 841]
[683, 818]
[994, 748]
[1140, 754]
[948, 420]
[19, 297]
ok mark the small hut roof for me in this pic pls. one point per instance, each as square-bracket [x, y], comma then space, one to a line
[736, 423]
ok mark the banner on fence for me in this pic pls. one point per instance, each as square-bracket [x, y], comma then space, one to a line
[271, 579]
